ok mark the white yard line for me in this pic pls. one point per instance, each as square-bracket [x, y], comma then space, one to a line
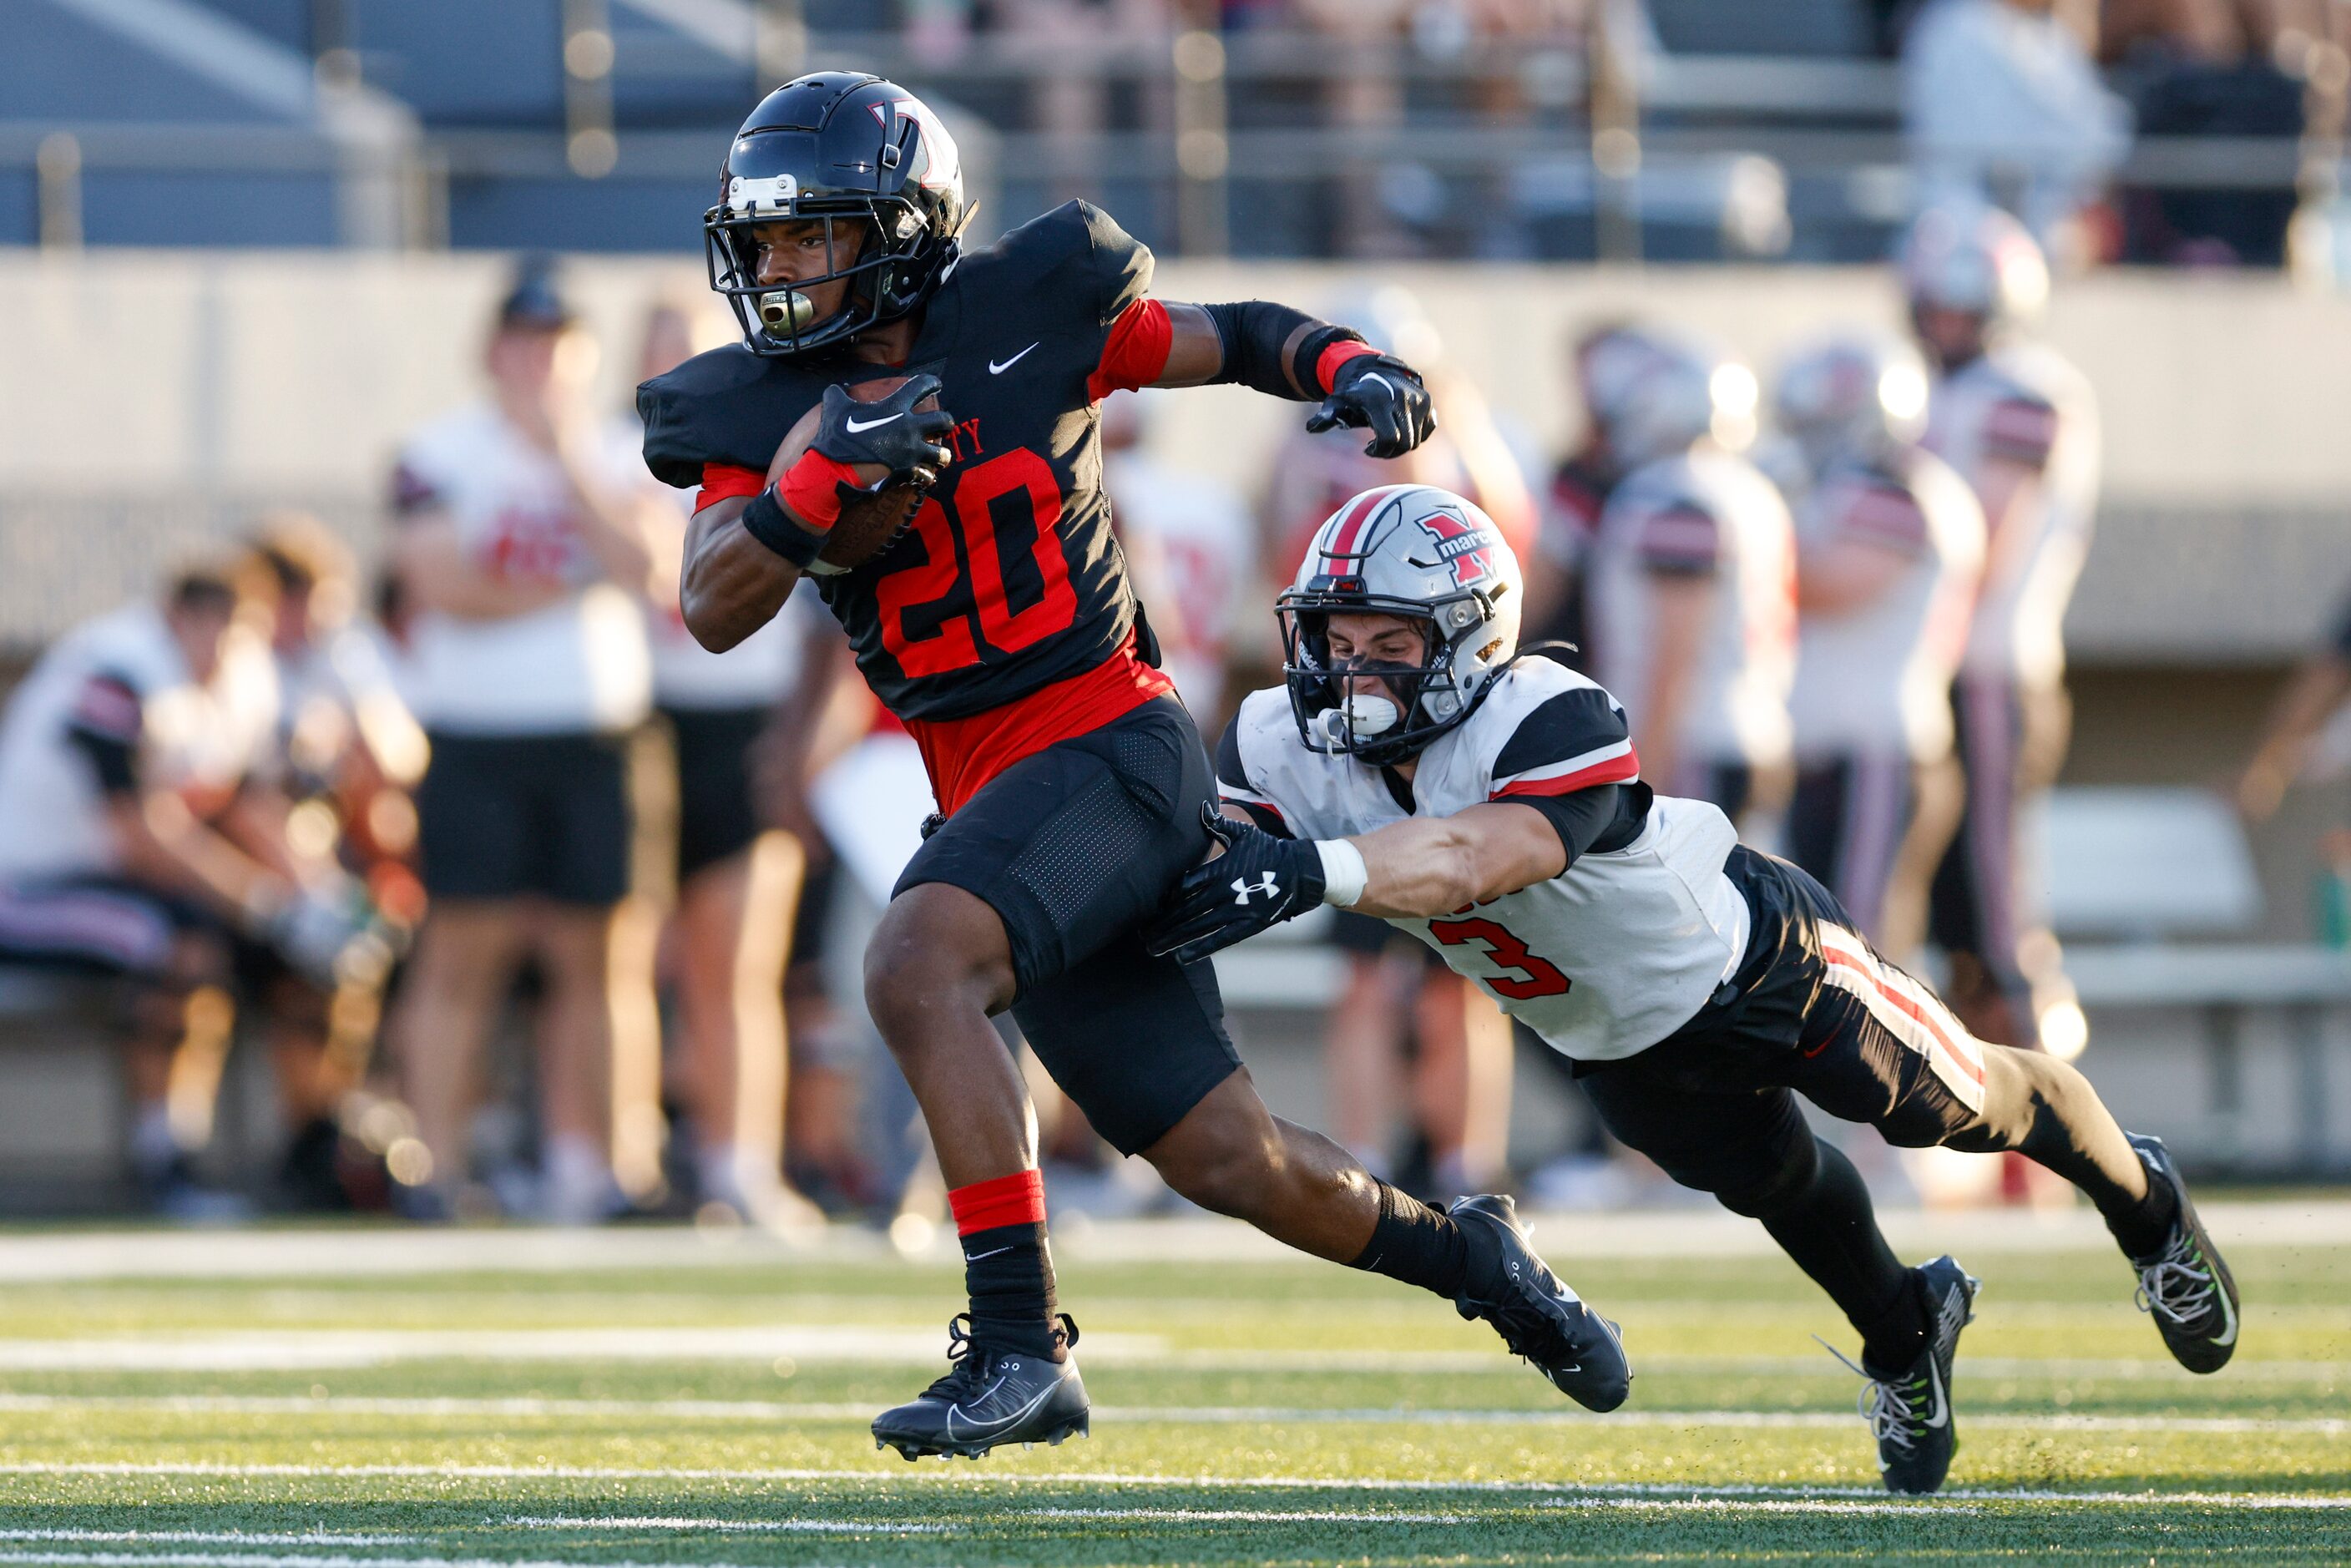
[1004, 1479]
[1762, 1505]
[223, 1537]
[744, 1526]
[306, 1560]
[1186, 1415]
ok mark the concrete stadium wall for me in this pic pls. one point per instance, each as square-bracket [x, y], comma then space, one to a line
[145, 396]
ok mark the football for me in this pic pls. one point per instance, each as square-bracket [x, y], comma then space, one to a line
[868, 523]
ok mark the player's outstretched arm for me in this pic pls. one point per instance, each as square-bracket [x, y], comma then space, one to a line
[1423, 867]
[1286, 354]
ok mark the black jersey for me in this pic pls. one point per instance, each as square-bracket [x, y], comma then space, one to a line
[1008, 578]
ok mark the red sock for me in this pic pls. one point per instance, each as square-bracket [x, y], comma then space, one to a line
[1006, 1266]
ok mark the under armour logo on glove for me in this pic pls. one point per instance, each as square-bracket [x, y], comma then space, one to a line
[1213, 908]
[1268, 887]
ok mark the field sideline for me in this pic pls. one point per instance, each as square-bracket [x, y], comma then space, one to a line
[405, 1399]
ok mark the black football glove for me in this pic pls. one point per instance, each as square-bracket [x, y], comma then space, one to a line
[888, 431]
[1259, 881]
[1383, 395]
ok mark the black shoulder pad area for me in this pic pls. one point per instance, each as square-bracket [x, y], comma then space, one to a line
[1078, 254]
[728, 405]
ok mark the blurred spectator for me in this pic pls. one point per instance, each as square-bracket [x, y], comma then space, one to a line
[2001, 102]
[1889, 545]
[738, 875]
[1192, 547]
[1580, 486]
[2205, 68]
[528, 560]
[141, 838]
[2021, 426]
[2319, 691]
[1692, 575]
[347, 755]
[1399, 991]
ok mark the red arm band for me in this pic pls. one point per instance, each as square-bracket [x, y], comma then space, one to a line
[1327, 363]
[1136, 353]
[720, 480]
[812, 488]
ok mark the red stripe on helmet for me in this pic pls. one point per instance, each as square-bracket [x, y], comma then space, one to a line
[1354, 521]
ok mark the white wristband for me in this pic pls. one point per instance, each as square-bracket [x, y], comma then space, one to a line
[1344, 874]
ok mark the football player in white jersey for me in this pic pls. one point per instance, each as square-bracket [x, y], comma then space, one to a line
[1692, 573]
[139, 839]
[2021, 426]
[1415, 769]
[1889, 544]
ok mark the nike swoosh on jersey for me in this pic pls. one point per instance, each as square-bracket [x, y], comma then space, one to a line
[856, 428]
[996, 369]
[983, 1429]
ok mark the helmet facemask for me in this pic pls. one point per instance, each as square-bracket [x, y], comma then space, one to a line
[890, 276]
[1418, 704]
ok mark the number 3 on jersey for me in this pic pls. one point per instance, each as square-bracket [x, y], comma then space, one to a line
[951, 646]
[1535, 978]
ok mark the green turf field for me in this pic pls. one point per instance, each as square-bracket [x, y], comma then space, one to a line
[1246, 1409]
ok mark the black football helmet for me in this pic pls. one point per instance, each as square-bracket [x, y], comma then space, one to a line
[843, 148]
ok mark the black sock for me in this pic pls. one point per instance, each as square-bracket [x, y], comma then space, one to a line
[1009, 1272]
[2142, 1231]
[1417, 1244]
[1828, 1226]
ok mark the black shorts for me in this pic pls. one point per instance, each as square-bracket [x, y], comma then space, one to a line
[1812, 1010]
[1073, 848]
[715, 816]
[100, 925]
[509, 816]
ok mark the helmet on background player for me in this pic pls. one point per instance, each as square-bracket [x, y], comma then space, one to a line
[1976, 260]
[1654, 392]
[1415, 551]
[847, 148]
[1850, 395]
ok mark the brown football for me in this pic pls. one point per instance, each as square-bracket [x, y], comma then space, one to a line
[867, 524]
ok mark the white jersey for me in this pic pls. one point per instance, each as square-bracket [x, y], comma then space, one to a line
[755, 673]
[1877, 677]
[117, 688]
[2022, 405]
[1604, 960]
[577, 666]
[1709, 515]
[1200, 535]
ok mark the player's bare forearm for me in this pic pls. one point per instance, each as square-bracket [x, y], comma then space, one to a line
[730, 584]
[1427, 866]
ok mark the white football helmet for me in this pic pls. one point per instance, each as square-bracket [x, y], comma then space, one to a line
[1974, 257]
[1416, 551]
[1850, 394]
[1655, 392]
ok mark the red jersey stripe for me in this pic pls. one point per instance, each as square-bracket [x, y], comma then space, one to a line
[1615, 771]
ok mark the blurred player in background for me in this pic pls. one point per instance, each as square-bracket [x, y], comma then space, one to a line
[528, 558]
[1889, 546]
[1692, 579]
[1406, 1031]
[738, 875]
[2020, 425]
[347, 755]
[140, 837]
[1580, 484]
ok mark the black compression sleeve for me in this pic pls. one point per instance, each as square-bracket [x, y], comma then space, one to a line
[1254, 332]
[1586, 817]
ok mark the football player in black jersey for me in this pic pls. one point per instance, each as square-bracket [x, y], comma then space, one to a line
[1000, 626]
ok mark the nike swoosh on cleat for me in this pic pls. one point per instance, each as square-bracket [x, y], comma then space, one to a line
[996, 368]
[2228, 1308]
[856, 428]
[1942, 1416]
[989, 1428]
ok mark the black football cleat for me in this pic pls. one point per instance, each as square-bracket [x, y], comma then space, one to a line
[1909, 1413]
[1540, 1318]
[990, 1397]
[2183, 1284]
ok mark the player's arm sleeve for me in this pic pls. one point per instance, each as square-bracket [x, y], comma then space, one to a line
[1681, 540]
[2021, 428]
[104, 727]
[1572, 760]
[1233, 786]
[1130, 326]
